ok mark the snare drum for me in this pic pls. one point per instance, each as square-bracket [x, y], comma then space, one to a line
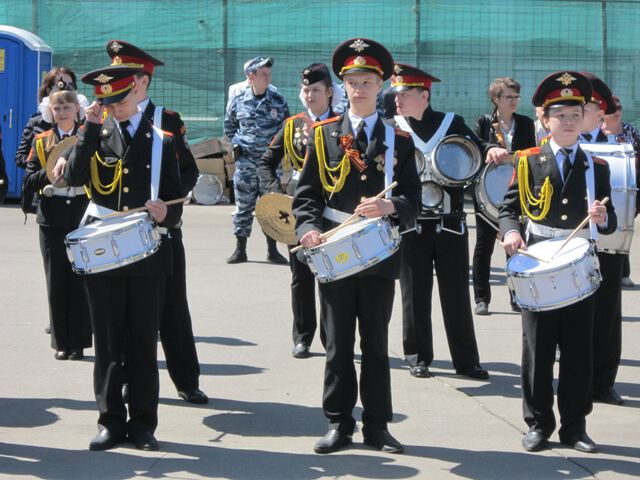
[111, 243]
[491, 187]
[455, 160]
[353, 249]
[622, 163]
[570, 277]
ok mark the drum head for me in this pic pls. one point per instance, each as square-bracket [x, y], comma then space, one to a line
[546, 249]
[432, 195]
[53, 156]
[207, 190]
[457, 159]
[275, 215]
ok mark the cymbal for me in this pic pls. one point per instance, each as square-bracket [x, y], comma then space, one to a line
[53, 156]
[275, 215]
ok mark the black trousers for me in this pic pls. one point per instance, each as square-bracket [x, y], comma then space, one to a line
[570, 328]
[125, 312]
[450, 255]
[68, 309]
[303, 302]
[176, 331]
[366, 301]
[607, 326]
[626, 266]
[481, 267]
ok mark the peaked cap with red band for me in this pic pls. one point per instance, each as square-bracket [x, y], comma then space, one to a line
[601, 94]
[562, 88]
[359, 55]
[112, 83]
[128, 55]
[405, 77]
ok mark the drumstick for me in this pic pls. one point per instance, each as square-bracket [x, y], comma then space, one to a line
[349, 220]
[535, 257]
[142, 209]
[578, 228]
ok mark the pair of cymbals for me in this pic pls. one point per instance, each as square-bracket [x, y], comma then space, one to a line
[274, 212]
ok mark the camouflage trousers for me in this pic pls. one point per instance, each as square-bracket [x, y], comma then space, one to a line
[247, 190]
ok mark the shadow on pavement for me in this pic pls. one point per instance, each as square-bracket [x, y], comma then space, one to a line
[228, 341]
[34, 412]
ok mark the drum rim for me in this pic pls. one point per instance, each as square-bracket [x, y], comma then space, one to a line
[440, 189]
[472, 148]
[123, 263]
[217, 182]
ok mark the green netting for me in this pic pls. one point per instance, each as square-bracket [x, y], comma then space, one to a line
[466, 43]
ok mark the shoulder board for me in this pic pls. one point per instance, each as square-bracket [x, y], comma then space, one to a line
[168, 134]
[328, 120]
[402, 133]
[599, 161]
[528, 151]
[44, 134]
[545, 139]
[297, 115]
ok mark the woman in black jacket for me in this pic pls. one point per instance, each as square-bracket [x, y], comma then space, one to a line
[514, 132]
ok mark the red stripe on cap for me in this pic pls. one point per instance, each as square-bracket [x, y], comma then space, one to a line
[147, 66]
[103, 90]
[599, 99]
[410, 81]
[361, 61]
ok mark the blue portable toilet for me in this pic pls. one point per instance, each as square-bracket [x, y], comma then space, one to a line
[24, 60]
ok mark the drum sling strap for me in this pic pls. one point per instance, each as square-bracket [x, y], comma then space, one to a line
[427, 147]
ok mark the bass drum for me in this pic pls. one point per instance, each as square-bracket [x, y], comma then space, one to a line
[491, 187]
[455, 161]
[207, 190]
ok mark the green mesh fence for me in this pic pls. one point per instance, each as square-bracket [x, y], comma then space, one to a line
[466, 43]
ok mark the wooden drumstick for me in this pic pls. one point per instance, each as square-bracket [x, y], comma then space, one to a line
[531, 255]
[349, 220]
[578, 228]
[142, 209]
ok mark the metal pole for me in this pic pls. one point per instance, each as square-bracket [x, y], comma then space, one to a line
[225, 54]
[605, 49]
[417, 12]
[34, 16]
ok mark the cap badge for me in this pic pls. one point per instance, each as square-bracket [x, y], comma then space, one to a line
[116, 47]
[116, 61]
[360, 61]
[102, 78]
[398, 79]
[566, 79]
[359, 45]
[566, 92]
[106, 89]
[306, 72]
[305, 81]
[397, 69]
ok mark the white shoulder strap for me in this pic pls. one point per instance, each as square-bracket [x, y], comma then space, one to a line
[589, 176]
[156, 153]
[390, 142]
[427, 147]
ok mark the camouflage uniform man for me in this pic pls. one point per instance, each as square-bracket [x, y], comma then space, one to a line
[251, 121]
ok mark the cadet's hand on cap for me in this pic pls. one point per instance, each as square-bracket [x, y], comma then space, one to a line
[93, 112]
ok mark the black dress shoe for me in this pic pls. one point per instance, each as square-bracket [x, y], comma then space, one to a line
[476, 372]
[420, 371]
[193, 395]
[333, 441]
[76, 354]
[608, 395]
[125, 393]
[105, 440]
[47, 330]
[383, 441]
[300, 350]
[61, 355]
[534, 440]
[277, 258]
[144, 441]
[581, 442]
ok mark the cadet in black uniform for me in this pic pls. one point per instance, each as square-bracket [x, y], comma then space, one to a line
[354, 144]
[59, 212]
[114, 159]
[176, 332]
[448, 251]
[288, 149]
[607, 326]
[556, 173]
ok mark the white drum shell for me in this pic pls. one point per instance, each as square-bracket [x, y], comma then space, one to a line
[573, 275]
[491, 187]
[112, 243]
[622, 163]
[353, 249]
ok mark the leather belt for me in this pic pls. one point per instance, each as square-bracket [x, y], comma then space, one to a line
[551, 232]
[335, 215]
[50, 191]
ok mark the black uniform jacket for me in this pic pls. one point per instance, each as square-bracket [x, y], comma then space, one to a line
[35, 125]
[272, 157]
[427, 126]
[568, 202]
[106, 140]
[55, 211]
[310, 198]
[524, 133]
[172, 123]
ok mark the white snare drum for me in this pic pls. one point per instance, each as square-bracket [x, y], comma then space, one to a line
[455, 160]
[571, 276]
[491, 187]
[207, 190]
[111, 243]
[353, 248]
[622, 163]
